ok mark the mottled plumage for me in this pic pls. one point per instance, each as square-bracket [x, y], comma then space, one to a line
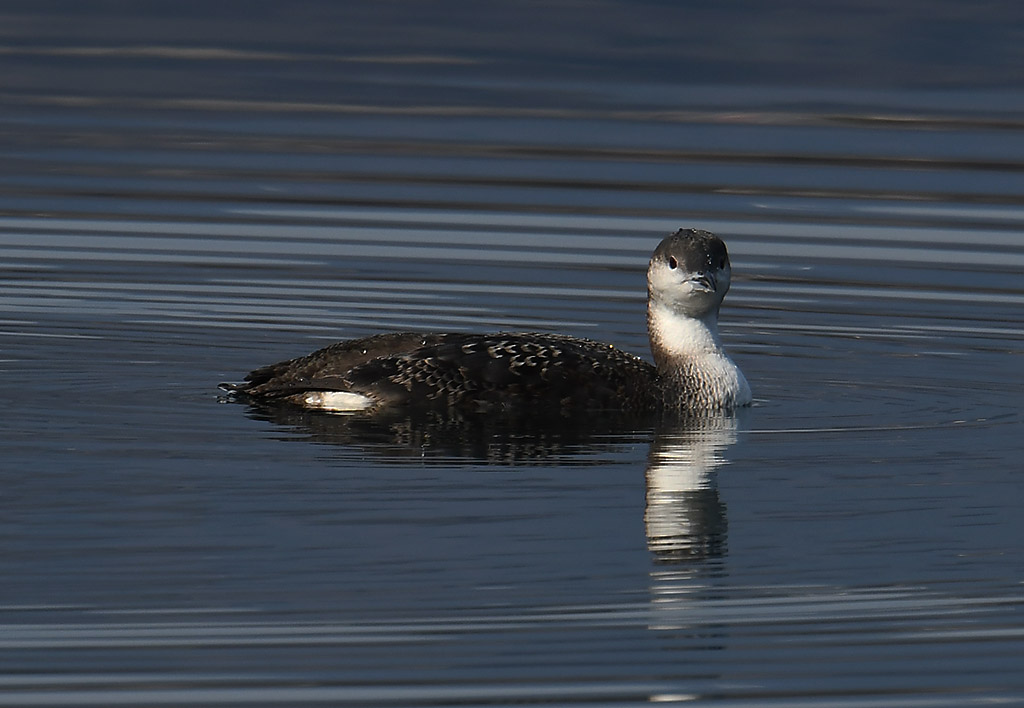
[479, 371]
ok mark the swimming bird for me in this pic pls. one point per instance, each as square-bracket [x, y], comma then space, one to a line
[687, 279]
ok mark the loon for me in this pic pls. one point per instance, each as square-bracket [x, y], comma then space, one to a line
[687, 278]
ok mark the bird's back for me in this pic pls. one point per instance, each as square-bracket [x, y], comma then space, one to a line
[484, 372]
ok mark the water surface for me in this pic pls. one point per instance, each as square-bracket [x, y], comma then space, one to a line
[852, 539]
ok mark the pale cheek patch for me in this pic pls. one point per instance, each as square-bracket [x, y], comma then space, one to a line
[337, 401]
[661, 279]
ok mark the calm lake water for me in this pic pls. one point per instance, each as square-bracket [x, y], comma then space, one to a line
[175, 214]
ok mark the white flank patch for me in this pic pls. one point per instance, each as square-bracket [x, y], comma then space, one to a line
[338, 401]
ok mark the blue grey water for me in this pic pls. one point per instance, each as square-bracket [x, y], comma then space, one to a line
[188, 196]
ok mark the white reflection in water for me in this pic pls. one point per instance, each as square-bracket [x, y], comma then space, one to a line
[684, 517]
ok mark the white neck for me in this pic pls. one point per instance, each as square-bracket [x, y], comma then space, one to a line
[689, 353]
[676, 336]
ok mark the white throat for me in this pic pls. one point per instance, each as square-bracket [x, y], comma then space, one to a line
[688, 352]
[679, 336]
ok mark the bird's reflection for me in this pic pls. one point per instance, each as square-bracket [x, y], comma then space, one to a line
[686, 522]
[449, 436]
[685, 518]
[684, 515]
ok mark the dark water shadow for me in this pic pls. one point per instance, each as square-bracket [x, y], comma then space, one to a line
[684, 516]
[453, 437]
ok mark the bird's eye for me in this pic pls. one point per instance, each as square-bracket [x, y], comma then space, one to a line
[672, 262]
